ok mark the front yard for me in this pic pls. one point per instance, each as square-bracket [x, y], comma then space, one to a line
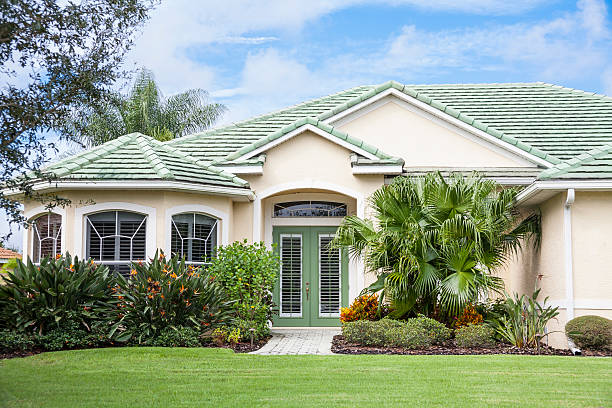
[162, 377]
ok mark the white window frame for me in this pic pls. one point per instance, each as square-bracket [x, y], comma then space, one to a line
[29, 235]
[173, 227]
[222, 218]
[116, 234]
[80, 224]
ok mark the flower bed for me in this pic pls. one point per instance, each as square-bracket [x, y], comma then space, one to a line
[341, 346]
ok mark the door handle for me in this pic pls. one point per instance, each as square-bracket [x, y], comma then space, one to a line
[307, 291]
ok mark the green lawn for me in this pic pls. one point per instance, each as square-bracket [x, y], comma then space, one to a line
[161, 377]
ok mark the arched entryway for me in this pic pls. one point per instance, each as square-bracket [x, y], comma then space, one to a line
[314, 279]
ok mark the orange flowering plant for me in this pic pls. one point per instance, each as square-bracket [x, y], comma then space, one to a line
[469, 316]
[166, 292]
[364, 307]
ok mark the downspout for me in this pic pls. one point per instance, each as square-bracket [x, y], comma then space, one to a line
[569, 268]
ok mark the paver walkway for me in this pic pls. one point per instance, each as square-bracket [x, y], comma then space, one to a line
[302, 340]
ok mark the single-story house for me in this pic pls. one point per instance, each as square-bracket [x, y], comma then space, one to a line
[288, 177]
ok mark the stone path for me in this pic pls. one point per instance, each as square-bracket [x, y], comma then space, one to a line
[302, 340]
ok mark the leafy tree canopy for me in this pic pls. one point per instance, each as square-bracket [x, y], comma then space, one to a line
[54, 57]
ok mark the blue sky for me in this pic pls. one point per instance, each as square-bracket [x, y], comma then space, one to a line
[257, 56]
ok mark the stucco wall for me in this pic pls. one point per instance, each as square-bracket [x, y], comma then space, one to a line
[422, 142]
[161, 201]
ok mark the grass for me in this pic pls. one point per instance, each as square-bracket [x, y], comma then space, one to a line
[162, 377]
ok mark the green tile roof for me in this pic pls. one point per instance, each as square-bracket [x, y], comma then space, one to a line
[547, 121]
[594, 164]
[139, 157]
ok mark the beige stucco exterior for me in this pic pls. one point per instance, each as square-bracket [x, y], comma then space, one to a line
[422, 141]
[308, 166]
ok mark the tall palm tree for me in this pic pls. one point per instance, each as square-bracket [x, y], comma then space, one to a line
[144, 109]
[434, 243]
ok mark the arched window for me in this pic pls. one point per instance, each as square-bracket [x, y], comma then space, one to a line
[194, 236]
[47, 236]
[115, 238]
[310, 209]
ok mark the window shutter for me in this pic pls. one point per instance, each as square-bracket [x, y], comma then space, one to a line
[329, 277]
[291, 275]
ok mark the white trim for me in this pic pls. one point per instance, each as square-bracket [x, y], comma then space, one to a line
[567, 242]
[222, 233]
[583, 304]
[235, 192]
[550, 187]
[28, 236]
[280, 278]
[378, 169]
[355, 270]
[313, 129]
[81, 212]
[440, 118]
[257, 170]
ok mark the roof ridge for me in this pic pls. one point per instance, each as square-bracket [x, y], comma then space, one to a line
[314, 121]
[267, 114]
[574, 163]
[152, 157]
[578, 91]
[480, 83]
[201, 163]
[86, 156]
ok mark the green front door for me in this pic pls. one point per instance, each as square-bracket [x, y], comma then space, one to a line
[313, 281]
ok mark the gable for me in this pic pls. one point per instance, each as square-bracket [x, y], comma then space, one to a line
[423, 140]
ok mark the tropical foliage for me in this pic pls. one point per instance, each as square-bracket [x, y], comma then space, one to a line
[364, 307]
[434, 242]
[248, 274]
[144, 109]
[166, 293]
[39, 298]
[524, 321]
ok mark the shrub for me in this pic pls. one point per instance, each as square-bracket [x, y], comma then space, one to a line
[166, 293]
[11, 340]
[413, 333]
[364, 307]
[469, 315]
[222, 336]
[177, 337]
[590, 332]
[40, 298]
[524, 322]
[248, 274]
[475, 336]
[71, 335]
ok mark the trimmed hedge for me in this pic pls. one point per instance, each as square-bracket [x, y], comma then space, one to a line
[475, 336]
[590, 332]
[420, 332]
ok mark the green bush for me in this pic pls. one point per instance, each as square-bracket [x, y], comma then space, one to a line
[523, 322]
[414, 333]
[475, 336]
[248, 274]
[71, 335]
[39, 298]
[166, 293]
[590, 332]
[11, 340]
[177, 337]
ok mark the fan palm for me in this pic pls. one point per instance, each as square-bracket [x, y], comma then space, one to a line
[144, 109]
[434, 243]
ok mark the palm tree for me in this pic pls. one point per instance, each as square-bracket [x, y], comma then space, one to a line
[144, 109]
[435, 243]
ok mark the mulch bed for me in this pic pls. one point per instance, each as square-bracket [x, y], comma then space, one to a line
[238, 348]
[341, 346]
